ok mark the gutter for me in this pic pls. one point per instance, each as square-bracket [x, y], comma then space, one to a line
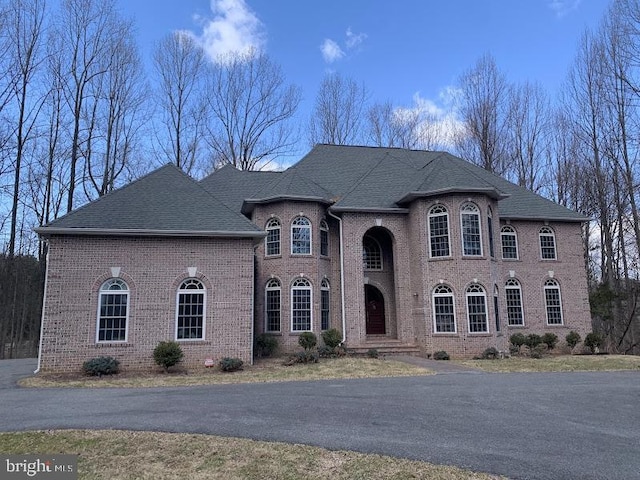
[44, 304]
[342, 299]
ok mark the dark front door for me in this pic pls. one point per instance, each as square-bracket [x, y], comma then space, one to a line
[375, 310]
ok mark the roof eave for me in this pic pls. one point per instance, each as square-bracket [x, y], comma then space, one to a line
[490, 192]
[249, 203]
[337, 209]
[131, 232]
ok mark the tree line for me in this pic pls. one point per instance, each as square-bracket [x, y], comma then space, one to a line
[81, 117]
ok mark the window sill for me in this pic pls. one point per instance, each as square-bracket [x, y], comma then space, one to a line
[298, 332]
[440, 259]
[517, 327]
[198, 341]
[446, 334]
[112, 345]
[269, 257]
[480, 334]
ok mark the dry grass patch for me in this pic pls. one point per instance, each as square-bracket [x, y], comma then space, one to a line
[267, 370]
[559, 363]
[149, 455]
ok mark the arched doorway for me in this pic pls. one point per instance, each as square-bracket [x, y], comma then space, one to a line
[374, 301]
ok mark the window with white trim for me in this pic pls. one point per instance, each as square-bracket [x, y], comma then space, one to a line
[324, 239]
[113, 311]
[547, 244]
[190, 310]
[553, 302]
[471, 236]
[444, 317]
[301, 236]
[371, 254]
[325, 319]
[490, 232]
[513, 294]
[509, 241]
[272, 305]
[439, 232]
[273, 237]
[477, 309]
[301, 302]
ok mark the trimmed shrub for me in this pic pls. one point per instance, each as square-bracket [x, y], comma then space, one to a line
[490, 353]
[533, 340]
[573, 339]
[228, 364]
[167, 354]
[538, 351]
[372, 353]
[305, 356]
[101, 366]
[332, 338]
[265, 345]
[594, 341]
[550, 339]
[517, 340]
[441, 355]
[307, 340]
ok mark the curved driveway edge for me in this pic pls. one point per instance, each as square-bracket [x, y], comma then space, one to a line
[13, 370]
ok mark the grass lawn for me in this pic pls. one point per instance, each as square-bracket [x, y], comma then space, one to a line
[557, 363]
[266, 370]
[114, 454]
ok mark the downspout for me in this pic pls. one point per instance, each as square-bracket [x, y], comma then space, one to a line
[44, 304]
[344, 321]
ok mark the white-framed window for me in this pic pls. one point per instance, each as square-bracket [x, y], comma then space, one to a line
[471, 235]
[190, 308]
[553, 302]
[444, 317]
[439, 232]
[509, 240]
[477, 309]
[371, 253]
[272, 304]
[513, 296]
[547, 244]
[490, 232]
[301, 303]
[113, 311]
[324, 239]
[301, 236]
[273, 229]
[325, 319]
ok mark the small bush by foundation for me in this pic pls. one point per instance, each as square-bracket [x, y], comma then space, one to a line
[101, 366]
[573, 339]
[167, 354]
[265, 345]
[228, 364]
[441, 355]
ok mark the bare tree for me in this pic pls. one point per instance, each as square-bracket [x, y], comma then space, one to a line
[339, 111]
[252, 108]
[181, 67]
[483, 111]
[394, 127]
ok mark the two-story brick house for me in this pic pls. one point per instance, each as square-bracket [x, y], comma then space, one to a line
[403, 251]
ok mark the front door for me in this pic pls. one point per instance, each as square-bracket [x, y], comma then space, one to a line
[375, 311]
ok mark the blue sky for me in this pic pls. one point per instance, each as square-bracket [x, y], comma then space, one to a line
[405, 51]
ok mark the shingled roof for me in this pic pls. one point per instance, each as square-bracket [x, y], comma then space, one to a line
[166, 202]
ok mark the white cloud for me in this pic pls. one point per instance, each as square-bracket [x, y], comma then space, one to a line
[331, 51]
[233, 28]
[563, 7]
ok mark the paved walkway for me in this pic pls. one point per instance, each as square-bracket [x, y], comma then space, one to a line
[438, 366]
[13, 370]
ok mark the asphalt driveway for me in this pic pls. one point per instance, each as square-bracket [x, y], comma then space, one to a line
[524, 426]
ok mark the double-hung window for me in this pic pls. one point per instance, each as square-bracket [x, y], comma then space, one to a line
[553, 302]
[444, 318]
[547, 244]
[513, 294]
[273, 237]
[471, 236]
[113, 311]
[477, 309]
[439, 232]
[509, 243]
[301, 303]
[272, 305]
[301, 236]
[190, 310]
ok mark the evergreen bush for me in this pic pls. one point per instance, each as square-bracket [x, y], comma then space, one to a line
[167, 354]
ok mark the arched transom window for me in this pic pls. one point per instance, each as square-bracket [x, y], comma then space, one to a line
[547, 244]
[190, 316]
[324, 305]
[553, 302]
[439, 232]
[113, 311]
[444, 319]
[324, 239]
[477, 309]
[471, 236]
[371, 254]
[513, 294]
[301, 236]
[509, 243]
[301, 302]
[272, 305]
[273, 237]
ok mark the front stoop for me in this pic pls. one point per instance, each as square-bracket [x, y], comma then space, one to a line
[385, 346]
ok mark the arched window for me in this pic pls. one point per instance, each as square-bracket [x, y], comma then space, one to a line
[471, 237]
[324, 239]
[509, 243]
[439, 231]
[190, 310]
[547, 244]
[553, 302]
[444, 317]
[273, 237]
[513, 294]
[490, 231]
[371, 253]
[301, 302]
[272, 305]
[477, 309]
[324, 305]
[113, 311]
[301, 236]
